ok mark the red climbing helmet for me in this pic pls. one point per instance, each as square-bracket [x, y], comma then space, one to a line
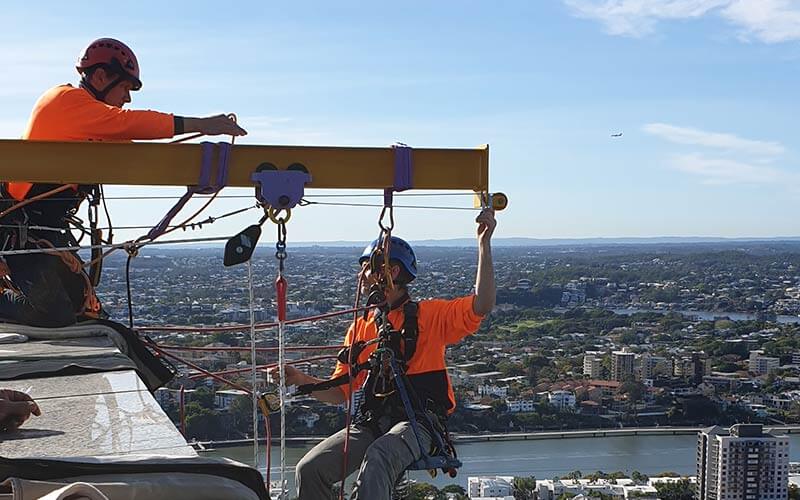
[113, 54]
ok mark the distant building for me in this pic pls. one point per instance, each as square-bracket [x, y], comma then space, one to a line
[742, 463]
[552, 489]
[563, 400]
[484, 377]
[521, 405]
[593, 365]
[693, 367]
[591, 408]
[762, 365]
[796, 358]
[651, 367]
[493, 390]
[490, 487]
[622, 365]
[701, 365]
[224, 398]
[607, 388]
[724, 382]
[165, 396]
[574, 294]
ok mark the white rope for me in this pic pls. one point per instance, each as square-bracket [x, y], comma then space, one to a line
[115, 245]
[253, 366]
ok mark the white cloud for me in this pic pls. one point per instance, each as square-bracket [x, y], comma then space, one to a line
[725, 171]
[735, 160]
[638, 17]
[730, 142]
[770, 21]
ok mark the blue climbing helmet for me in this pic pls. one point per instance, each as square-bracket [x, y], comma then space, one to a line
[400, 251]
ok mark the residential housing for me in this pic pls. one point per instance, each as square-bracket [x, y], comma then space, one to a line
[622, 364]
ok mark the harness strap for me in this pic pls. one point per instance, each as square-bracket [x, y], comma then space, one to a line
[91, 304]
[410, 331]
[321, 386]
[442, 459]
[204, 184]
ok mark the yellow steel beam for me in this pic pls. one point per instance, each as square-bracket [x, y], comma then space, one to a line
[179, 164]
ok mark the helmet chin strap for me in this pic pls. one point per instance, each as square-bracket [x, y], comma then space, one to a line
[100, 95]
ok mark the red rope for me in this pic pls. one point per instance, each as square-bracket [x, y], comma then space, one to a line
[258, 349]
[259, 326]
[202, 370]
[267, 366]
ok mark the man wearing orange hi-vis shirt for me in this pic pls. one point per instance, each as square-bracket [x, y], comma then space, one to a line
[52, 289]
[393, 363]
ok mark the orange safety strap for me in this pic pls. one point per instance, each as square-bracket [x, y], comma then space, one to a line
[91, 304]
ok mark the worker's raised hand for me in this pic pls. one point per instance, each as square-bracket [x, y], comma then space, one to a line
[293, 376]
[219, 125]
[486, 224]
[15, 408]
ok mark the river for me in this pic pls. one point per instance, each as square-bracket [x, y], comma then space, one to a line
[544, 459]
[705, 315]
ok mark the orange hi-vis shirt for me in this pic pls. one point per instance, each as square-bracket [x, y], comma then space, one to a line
[440, 323]
[67, 113]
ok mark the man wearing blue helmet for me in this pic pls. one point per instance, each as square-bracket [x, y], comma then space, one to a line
[381, 442]
[400, 254]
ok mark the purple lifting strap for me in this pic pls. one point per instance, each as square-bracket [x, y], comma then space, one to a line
[204, 184]
[403, 172]
[403, 167]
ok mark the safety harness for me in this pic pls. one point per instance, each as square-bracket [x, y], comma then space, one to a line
[389, 395]
[19, 231]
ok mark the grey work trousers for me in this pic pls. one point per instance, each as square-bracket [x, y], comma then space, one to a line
[380, 462]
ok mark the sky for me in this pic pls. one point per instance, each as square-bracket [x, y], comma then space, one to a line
[703, 91]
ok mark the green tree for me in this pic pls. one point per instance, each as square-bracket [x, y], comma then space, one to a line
[241, 410]
[204, 397]
[634, 390]
[201, 422]
[225, 338]
[425, 491]
[628, 338]
[524, 488]
[457, 492]
[677, 490]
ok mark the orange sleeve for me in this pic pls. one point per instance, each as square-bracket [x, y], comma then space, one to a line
[66, 113]
[98, 120]
[341, 368]
[454, 319]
